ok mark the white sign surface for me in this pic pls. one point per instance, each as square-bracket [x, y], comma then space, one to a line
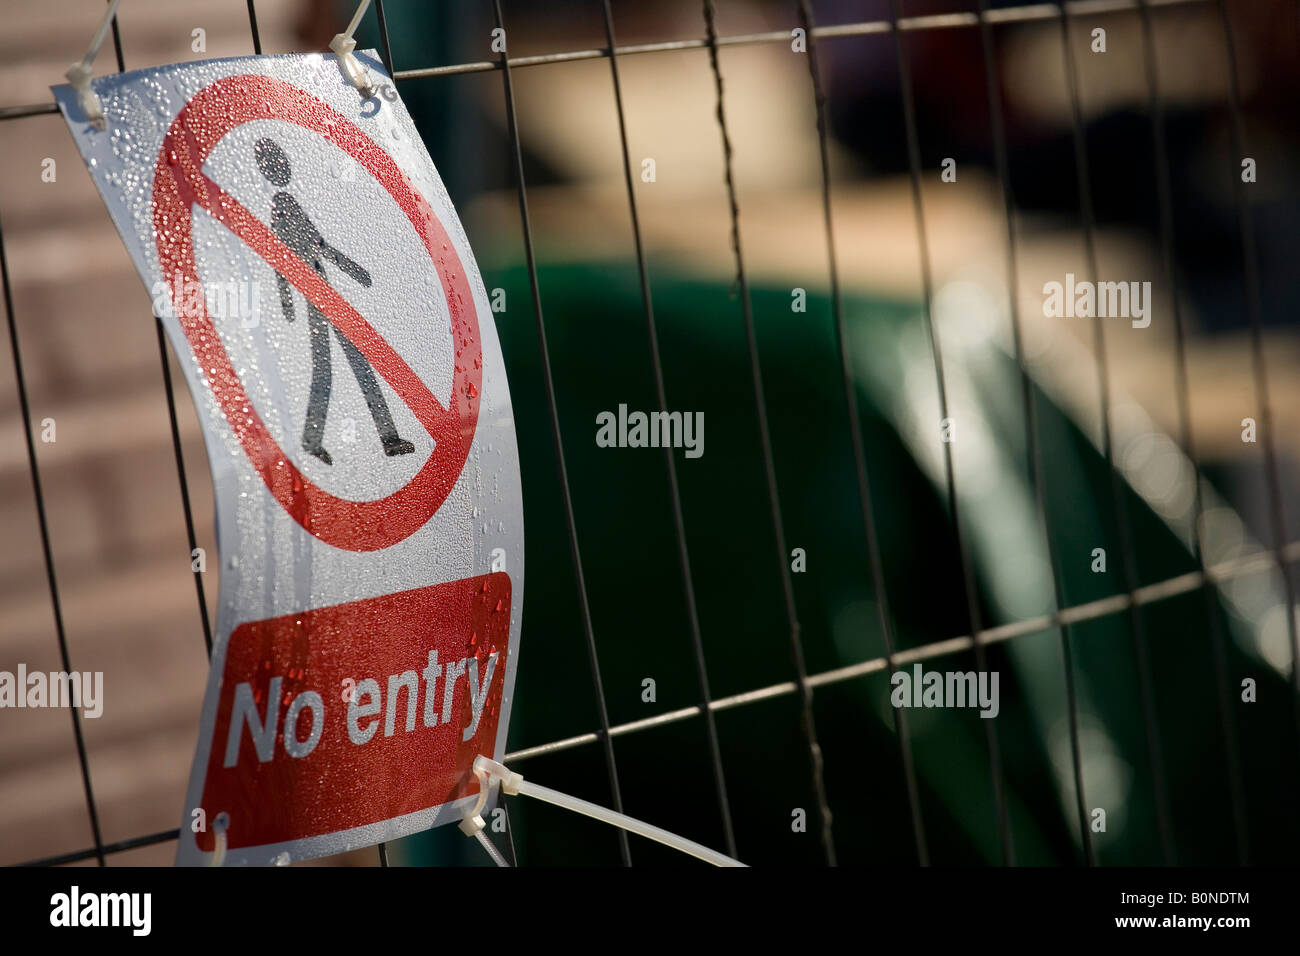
[312, 275]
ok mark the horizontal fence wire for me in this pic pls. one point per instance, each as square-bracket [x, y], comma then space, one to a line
[943, 21]
[1258, 563]
[1077, 614]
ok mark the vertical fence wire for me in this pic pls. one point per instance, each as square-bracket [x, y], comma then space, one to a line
[385, 48]
[510, 853]
[1182, 390]
[117, 43]
[859, 452]
[43, 521]
[184, 486]
[252, 25]
[545, 356]
[679, 522]
[769, 466]
[1002, 163]
[1254, 309]
[963, 553]
[1126, 552]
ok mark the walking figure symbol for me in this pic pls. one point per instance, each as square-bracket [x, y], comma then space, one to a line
[296, 230]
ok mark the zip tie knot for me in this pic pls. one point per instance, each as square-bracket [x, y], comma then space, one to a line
[343, 46]
[79, 73]
[488, 771]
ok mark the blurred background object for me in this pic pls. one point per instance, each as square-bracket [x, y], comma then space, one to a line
[1158, 733]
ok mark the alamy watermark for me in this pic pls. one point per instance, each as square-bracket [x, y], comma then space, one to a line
[1105, 300]
[946, 689]
[133, 911]
[84, 689]
[236, 299]
[651, 430]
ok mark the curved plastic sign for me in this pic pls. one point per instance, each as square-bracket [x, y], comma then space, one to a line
[313, 277]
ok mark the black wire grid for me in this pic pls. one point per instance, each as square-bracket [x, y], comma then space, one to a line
[1281, 553]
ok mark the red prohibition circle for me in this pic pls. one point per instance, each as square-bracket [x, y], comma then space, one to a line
[180, 185]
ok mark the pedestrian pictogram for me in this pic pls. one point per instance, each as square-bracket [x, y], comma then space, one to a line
[360, 434]
[290, 222]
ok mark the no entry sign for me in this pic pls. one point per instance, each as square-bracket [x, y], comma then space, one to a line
[180, 186]
[315, 282]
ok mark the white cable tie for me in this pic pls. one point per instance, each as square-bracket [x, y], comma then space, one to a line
[488, 772]
[492, 851]
[510, 781]
[514, 783]
[79, 73]
[343, 45]
[472, 824]
[219, 827]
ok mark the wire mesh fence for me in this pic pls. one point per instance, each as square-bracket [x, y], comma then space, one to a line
[1064, 619]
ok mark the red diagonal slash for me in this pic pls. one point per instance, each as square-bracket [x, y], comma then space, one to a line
[180, 185]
